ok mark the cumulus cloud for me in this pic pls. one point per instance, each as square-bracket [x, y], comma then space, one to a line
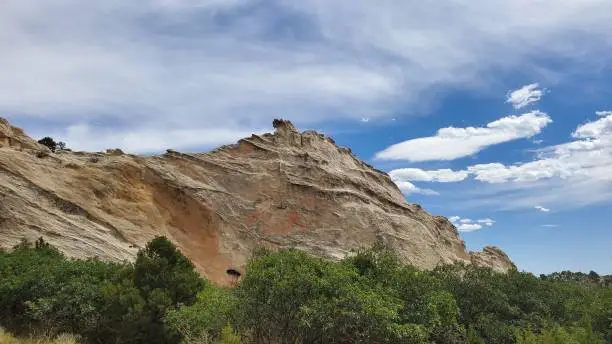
[408, 188]
[469, 225]
[524, 96]
[234, 65]
[579, 170]
[589, 155]
[451, 143]
[542, 209]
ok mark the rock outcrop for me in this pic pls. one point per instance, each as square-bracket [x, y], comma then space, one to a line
[286, 189]
[492, 257]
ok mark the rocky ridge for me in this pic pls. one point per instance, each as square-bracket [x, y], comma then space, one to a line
[286, 189]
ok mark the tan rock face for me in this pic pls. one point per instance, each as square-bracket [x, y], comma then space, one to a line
[287, 189]
[11, 137]
[492, 257]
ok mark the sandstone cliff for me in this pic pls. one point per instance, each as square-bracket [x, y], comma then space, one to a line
[287, 189]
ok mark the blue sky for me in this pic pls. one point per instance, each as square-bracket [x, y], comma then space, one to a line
[491, 113]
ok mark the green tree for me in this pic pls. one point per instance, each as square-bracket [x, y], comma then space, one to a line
[166, 279]
[215, 308]
[49, 143]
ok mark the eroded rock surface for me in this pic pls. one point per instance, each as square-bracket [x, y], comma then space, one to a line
[287, 189]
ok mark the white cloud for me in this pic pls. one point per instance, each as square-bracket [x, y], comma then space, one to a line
[542, 209]
[409, 188]
[469, 225]
[175, 64]
[416, 174]
[149, 140]
[451, 143]
[567, 175]
[454, 218]
[588, 156]
[486, 222]
[550, 226]
[524, 96]
[365, 119]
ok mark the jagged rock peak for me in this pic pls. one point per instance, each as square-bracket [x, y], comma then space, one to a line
[283, 125]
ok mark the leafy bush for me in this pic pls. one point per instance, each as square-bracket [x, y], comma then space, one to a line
[291, 297]
[43, 292]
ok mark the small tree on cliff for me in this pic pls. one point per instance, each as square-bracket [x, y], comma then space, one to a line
[49, 142]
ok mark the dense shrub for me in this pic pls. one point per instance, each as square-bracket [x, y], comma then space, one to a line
[43, 292]
[49, 143]
[291, 297]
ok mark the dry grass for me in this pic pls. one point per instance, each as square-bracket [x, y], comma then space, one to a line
[6, 338]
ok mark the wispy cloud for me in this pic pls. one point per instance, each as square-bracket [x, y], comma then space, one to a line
[541, 208]
[524, 96]
[176, 65]
[408, 188]
[451, 143]
[550, 226]
[416, 174]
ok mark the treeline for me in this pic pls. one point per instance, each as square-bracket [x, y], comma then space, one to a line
[291, 297]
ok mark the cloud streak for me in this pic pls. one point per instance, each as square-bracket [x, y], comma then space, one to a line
[452, 143]
[416, 174]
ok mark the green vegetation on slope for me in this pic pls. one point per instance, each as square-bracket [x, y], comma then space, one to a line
[291, 297]
[6, 338]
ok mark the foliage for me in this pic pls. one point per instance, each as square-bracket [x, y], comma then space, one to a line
[41, 291]
[558, 335]
[228, 336]
[205, 318]
[49, 143]
[292, 297]
[165, 279]
[6, 338]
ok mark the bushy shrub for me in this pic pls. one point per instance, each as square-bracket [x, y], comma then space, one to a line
[41, 291]
[292, 297]
[49, 143]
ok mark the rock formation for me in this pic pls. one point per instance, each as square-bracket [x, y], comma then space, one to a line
[287, 189]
